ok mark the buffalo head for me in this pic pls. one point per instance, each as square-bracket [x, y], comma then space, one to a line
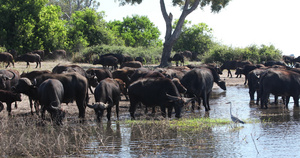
[99, 108]
[4, 78]
[57, 113]
[222, 84]
[179, 103]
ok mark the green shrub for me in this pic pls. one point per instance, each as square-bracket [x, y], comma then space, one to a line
[152, 55]
[2, 49]
[253, 53]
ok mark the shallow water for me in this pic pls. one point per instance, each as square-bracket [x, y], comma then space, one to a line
[272, 132]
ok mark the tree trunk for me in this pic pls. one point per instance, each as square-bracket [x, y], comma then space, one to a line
[170, 38]
[166, 54]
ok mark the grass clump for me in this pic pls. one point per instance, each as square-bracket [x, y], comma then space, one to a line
[184, 123]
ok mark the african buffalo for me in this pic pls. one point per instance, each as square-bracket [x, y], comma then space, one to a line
[253, 83]
[26, 87]
[133, 64]
[178, 58]
[187, 54]
[140, 59]
[8, 58]
[41, 53]
[99, 73]
[51, 94]
[8, 79]
[127, 59]
[199, 83]
[9, 97]
[272, 63]
[144, 73]
[107, 61]
[58, 69]
[107, 94]
[280, 82]
[120, 57]
[33, 74]
[288, 59]
[13, 52]
[124, 74]
[156, 92]
[75, 88]
[232, 65]
[29, 57]
[170, 73]
[60, 53]
[246, 69]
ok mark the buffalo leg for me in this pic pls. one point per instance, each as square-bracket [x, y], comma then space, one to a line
[117, 110]
[27, 65]
[264, 100]
[8, 108]
[207, 100]
[163, 110]
[43, 112]
[132, 108]
[204, 97]
[296, 100]
[108, 113]
[170, 109]
[37, 64]
[287, 100]
[81, 107]
[30, 103]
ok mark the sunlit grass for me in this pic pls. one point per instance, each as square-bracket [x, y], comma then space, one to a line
[185, 122]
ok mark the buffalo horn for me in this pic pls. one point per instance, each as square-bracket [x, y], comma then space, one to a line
[94, 106]
[173, 98]
[103, 105]
[13, 74]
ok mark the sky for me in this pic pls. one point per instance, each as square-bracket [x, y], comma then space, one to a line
[242, 23]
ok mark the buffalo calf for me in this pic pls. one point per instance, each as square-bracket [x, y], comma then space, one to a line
[9, 97]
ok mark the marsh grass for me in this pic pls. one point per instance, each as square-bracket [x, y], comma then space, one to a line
[27, 136]
[184, 124]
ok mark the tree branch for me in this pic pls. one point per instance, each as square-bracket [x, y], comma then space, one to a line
[167, 20]
[183, 15]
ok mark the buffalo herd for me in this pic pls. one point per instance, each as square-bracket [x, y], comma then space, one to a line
[171, 89]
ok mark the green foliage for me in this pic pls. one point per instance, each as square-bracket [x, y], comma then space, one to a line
[137, 31]
[220, 53]
[88, 28]
[69, 7]
[2, 49]
[151, 54]
[197, 38]
[51, 29]
[17, 24]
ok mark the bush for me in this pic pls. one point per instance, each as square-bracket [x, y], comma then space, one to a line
[2, 49]
[152, 55]
[221, 53]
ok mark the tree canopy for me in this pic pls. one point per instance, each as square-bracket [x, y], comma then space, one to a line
[88, 28]
[137, 31]
[196, 38]
[68, 7]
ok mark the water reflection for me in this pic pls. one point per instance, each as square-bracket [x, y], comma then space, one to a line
[272, 132]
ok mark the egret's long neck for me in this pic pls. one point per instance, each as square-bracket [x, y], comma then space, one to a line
[230, 109]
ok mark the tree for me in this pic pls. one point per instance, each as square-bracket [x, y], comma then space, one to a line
[187, 6]
[17, 23]
[51, 29]
[88, 28]
[137, 31]
[197, 38]
[70, 6]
